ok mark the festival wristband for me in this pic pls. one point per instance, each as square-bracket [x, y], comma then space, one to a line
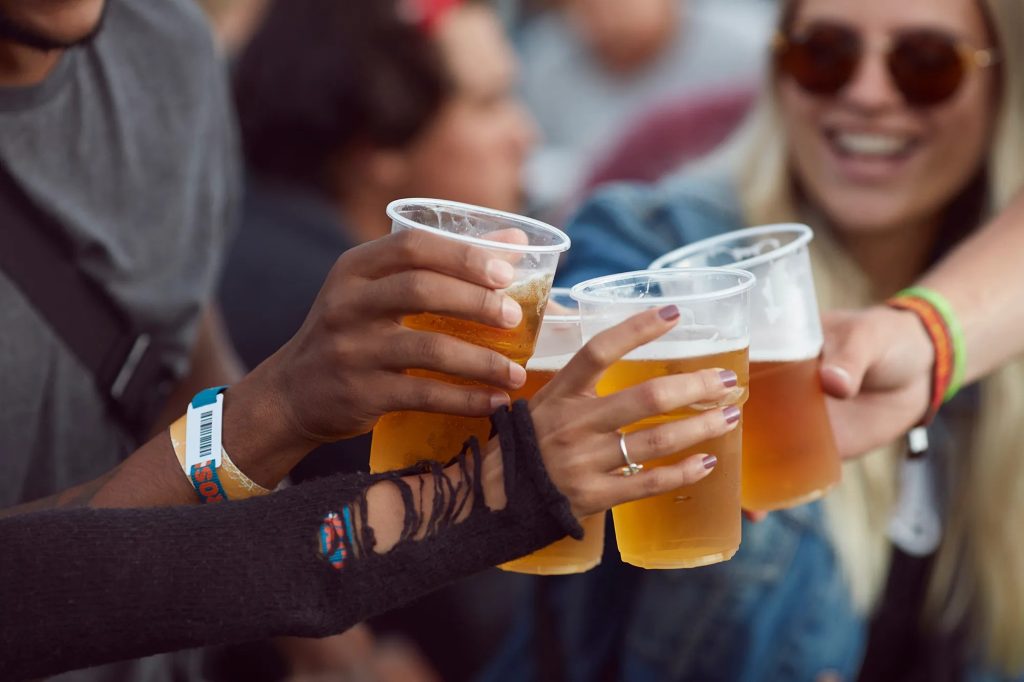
[937, 327]
[956, 334]
[196, 439]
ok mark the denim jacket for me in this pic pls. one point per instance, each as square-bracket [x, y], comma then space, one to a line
[778, 611]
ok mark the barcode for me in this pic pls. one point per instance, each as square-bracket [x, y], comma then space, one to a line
[205, 434]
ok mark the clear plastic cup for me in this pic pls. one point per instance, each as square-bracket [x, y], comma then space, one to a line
[698, 524]
[401, 439]
[557, 343]
[789, 452]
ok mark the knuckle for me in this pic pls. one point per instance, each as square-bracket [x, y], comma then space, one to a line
[708, 427]
[407, 245]
[711, 383]
[659, 441]
[428, 348]
[652, 482]
[488, 303]
[656, 397]
[595, 354]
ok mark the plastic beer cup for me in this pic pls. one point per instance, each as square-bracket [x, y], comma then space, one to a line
[789, 453]
[401, 439]
[558, 341]
[698, 524]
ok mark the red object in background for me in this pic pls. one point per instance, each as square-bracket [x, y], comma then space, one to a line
[670, 135]
[426, 14]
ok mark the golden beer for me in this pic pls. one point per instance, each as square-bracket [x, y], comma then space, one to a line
[695, 525]
[401, 439]
[566, 555]
[789, 453]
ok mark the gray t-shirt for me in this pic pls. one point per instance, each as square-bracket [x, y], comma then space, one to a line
[129, 143]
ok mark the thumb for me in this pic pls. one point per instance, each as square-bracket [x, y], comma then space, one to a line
[844, 361]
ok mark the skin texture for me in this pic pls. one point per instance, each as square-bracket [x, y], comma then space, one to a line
[887, 210]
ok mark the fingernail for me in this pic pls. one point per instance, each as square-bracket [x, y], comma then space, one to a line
[840, 372]
[498, 401]
[731, 414]
[710, 461]
[516, 375]
[511, 312]
[729, 378]
[668, 313]
[501, 272]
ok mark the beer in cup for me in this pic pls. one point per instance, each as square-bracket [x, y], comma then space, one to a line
[789, 453]
[558, 341]
[401, 439]
[697, 524]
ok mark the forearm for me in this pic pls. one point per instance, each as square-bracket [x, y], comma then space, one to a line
[114, 584]
[254, 436]
[983, 280]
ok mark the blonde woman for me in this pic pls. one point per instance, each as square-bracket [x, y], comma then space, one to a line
[895, 130]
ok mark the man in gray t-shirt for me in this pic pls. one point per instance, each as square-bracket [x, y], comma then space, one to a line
[125, 139]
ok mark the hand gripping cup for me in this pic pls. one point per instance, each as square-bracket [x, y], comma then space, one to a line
[558, 341]
[532, 247]
[789, 453]
[698, 524]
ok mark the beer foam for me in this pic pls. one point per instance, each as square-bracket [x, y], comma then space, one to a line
[674, 349]
[804, 351]
[551, 363]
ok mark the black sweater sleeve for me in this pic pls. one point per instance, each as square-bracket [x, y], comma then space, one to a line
[84, 587]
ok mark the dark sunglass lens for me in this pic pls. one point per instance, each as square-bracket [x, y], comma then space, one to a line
[821, 59]
[926, 67]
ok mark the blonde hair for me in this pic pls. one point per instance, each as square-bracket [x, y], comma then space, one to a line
[979, 571]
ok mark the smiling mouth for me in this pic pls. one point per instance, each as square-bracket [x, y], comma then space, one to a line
[871, 146]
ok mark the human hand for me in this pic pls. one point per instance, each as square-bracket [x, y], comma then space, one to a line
[877, 366]
[578, 432]
[345, 367]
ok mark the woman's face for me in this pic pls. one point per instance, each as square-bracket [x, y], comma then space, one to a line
[474, 149]
[868, 160]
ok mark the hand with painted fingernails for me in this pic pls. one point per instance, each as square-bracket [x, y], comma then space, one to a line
[579, 433]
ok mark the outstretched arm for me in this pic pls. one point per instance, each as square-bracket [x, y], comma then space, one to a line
[878, 361]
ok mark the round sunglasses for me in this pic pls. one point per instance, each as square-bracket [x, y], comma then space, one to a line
[927, 66]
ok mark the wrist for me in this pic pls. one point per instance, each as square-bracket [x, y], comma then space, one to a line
[258, 433]
[492, 472]
[912, 335]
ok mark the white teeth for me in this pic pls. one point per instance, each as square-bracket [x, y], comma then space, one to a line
[872, 144]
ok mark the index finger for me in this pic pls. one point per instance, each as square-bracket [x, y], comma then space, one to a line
[420, 250]
[582, 372]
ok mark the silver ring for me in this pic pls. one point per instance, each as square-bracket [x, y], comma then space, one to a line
[630, 469]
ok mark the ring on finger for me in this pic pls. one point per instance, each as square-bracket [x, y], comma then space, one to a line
[630, 469]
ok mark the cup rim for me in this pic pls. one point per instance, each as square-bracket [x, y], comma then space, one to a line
[745, 283]
[562, 245]
[804, 232]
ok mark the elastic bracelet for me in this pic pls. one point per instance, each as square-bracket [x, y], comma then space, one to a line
[956, 334]
[201, 454]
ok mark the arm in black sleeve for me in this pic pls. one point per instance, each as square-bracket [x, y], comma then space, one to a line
[84, 587]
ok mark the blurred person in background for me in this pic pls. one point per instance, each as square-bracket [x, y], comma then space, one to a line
[344, 107]
[895, 130]
[591, 66]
